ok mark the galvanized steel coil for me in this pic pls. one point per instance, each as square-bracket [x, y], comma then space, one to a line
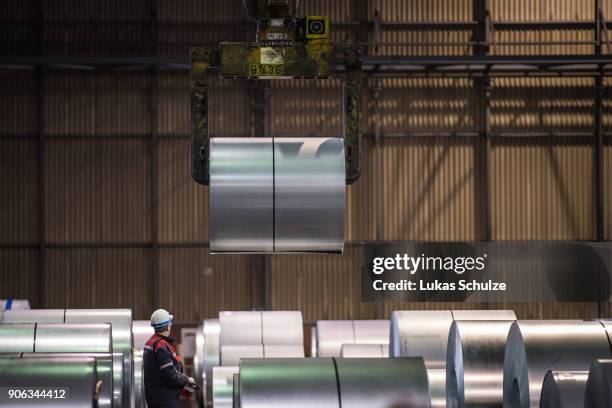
[475, 364]
[334, 383]
[138, 384]
[120, 320]
[55, 338]
[534, 347]
[208, 355]
[240, 328]
[282, 327]
[263, 190]
[331, 335]
[223, 386]
[78, 375]
[563, 389]
[141, 332]
[364, 351]
[598, 391]
[424, 333]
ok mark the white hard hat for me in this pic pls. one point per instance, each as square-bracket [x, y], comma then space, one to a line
[160, 319]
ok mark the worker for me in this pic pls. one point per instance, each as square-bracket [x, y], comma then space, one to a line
[163, 369]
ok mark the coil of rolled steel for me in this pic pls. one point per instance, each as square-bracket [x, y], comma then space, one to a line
[533, 347]
[236, 384]
[141, 332]
[364, 351]
[313, 341]
[295, 383]
[333, 334]
[475, 363]
[14, 304]
[75, 378]
[208, 355]
[107, 364]
[223, 386]
[120, 320]
[563, 389]
[425, 333]
[282, 327]
[382, 383]
[437, 387]
[138, 384]
[598, 390]
[283, 351]
[231, 355]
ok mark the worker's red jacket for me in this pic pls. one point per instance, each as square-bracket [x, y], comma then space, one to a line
[163, 372]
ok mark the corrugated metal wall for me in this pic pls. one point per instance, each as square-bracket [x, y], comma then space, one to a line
[99, 175]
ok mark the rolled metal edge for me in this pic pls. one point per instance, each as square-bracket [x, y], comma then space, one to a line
[535, 346]
[563, 389]
[598, 390]
[313, 341]
[211, 329]
[383, 382]
[141, 332]
[138, 385]
[17, 337]
[475, 363]
[331, 335]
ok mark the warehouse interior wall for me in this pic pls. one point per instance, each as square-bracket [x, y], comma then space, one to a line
[98, 209]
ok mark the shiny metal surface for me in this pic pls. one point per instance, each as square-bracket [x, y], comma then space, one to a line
[76, 373]
[223, 386]
[138, 384]
[283, 351]
[331, 335]
[121, 321]
[73, 338]
[240, 328]
[208, 355]
[534, 347]
[598, 390]
[16, 304]
[107, 364]
[313, 341]
[382, 383]
[282, 327]
[309, 194]
[364, 351]
[33, 316]
[371, 331]
[475, 364]
[295, 383]
[437, 387]
[483, 315]
[141, 332]
[563, 389]
[16, 337]
[241, 195]
[231, 355]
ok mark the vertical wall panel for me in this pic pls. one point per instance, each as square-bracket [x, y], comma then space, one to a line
[429, 189]
[18, 103]
[321, 286]
[19, 275]
[91, 104]
[196, 285]
[361, 198]
[543, 191]
[174, 104]
[608, 190]
[183, 203]
[97, 190]
[100, 278]
[19, 196]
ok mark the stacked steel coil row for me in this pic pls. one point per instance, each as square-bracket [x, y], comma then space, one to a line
[49, 337]
[330, 336]
[244, 334]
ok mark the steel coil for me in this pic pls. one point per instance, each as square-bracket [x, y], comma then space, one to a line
[121, 321]
[76, 374]
[223, 386]
[107, 364]
[313, 341]
[331, 335]
[55, 338]
[282, 327]
[424, 333]
[364, 351]
[475, 363]
[534, 347]
[382, 383]
[437, 387]
[563, 389]
[295, 383]
[283, 351]
[208, 355]
[34, 316]
[138, 385]
[141, 332]
[598, 392]
[236, 386]
[14, 304]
